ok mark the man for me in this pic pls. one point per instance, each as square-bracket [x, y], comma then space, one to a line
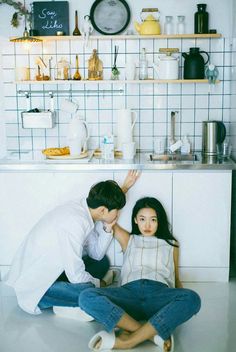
[53, 264]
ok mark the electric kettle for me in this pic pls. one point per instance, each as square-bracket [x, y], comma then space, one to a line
[213, 133]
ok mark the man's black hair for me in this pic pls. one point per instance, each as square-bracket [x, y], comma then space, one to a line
[108, 194]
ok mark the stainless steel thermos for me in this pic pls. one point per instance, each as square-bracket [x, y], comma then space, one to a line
[213, 133]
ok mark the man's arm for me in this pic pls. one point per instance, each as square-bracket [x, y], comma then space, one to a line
[98, 241]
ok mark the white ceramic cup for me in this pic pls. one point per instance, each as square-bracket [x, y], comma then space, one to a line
[74, 146]
[128, 150]
[159, 145]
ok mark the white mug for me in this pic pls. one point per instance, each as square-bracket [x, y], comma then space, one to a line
[74, 146]
[128, 150]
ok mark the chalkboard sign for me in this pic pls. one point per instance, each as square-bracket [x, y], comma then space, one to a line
[50, 17]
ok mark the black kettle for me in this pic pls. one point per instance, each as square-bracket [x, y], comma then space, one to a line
[194, 64]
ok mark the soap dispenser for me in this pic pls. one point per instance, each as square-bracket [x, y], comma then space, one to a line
[185, 147]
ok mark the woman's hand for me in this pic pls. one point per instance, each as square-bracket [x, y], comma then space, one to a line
[130, 180]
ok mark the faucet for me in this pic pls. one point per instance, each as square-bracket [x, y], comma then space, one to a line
[172, 128]
[174, 145]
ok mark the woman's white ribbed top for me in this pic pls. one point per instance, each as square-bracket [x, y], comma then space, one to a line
[148, 258]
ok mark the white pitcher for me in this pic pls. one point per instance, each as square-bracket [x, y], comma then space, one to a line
[126, 120]
[77, 135]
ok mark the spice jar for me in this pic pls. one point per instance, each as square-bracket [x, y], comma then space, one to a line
[168, 25]
[180, 29]
[62, 69]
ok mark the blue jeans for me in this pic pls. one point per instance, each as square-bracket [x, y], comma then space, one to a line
[65, 294]
[165, 308]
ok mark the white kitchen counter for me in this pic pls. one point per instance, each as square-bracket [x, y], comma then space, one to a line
[141, 161]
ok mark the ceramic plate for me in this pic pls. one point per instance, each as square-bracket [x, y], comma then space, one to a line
[68, 156]
[110, 16]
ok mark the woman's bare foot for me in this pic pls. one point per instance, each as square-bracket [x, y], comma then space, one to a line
[123, 335]
[120, 341]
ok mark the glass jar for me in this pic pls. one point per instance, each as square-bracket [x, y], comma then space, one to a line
[168, 25]
[201, 20]
[180, 25]
[62, 70]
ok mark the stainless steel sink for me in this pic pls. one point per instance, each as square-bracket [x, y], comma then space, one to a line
[173, 157]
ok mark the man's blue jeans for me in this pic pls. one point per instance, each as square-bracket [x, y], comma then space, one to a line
[165, 308]
[65, 294]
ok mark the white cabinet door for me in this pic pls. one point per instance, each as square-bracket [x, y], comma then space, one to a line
[201, 223]
[25, 197]
[150, 184]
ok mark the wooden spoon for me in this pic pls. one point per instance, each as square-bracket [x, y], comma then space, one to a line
[77, 75]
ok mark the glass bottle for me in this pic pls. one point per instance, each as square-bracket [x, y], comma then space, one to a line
[180, 25]
[201, 20]
[76, 30]
[143, 65]
[168, 25]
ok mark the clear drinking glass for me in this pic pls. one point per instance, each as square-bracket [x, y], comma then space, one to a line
[180, 25]
[224, 149]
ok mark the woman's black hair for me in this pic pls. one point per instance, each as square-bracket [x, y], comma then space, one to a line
[108, 194]
[163, 231]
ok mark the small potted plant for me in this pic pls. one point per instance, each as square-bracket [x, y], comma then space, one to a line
[21, 11]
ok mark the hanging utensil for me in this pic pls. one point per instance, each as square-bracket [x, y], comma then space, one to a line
[114, 71]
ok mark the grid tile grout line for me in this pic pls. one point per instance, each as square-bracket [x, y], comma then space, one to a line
[153, 102]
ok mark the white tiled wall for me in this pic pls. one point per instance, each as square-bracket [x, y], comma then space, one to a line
[153, 102]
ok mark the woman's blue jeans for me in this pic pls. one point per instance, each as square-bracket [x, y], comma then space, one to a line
[165, 308]
[65, 294]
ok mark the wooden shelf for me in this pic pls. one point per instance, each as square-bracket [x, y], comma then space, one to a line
[147, 81]
[130, 37]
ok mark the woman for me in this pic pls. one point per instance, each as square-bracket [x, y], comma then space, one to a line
[151, 290]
